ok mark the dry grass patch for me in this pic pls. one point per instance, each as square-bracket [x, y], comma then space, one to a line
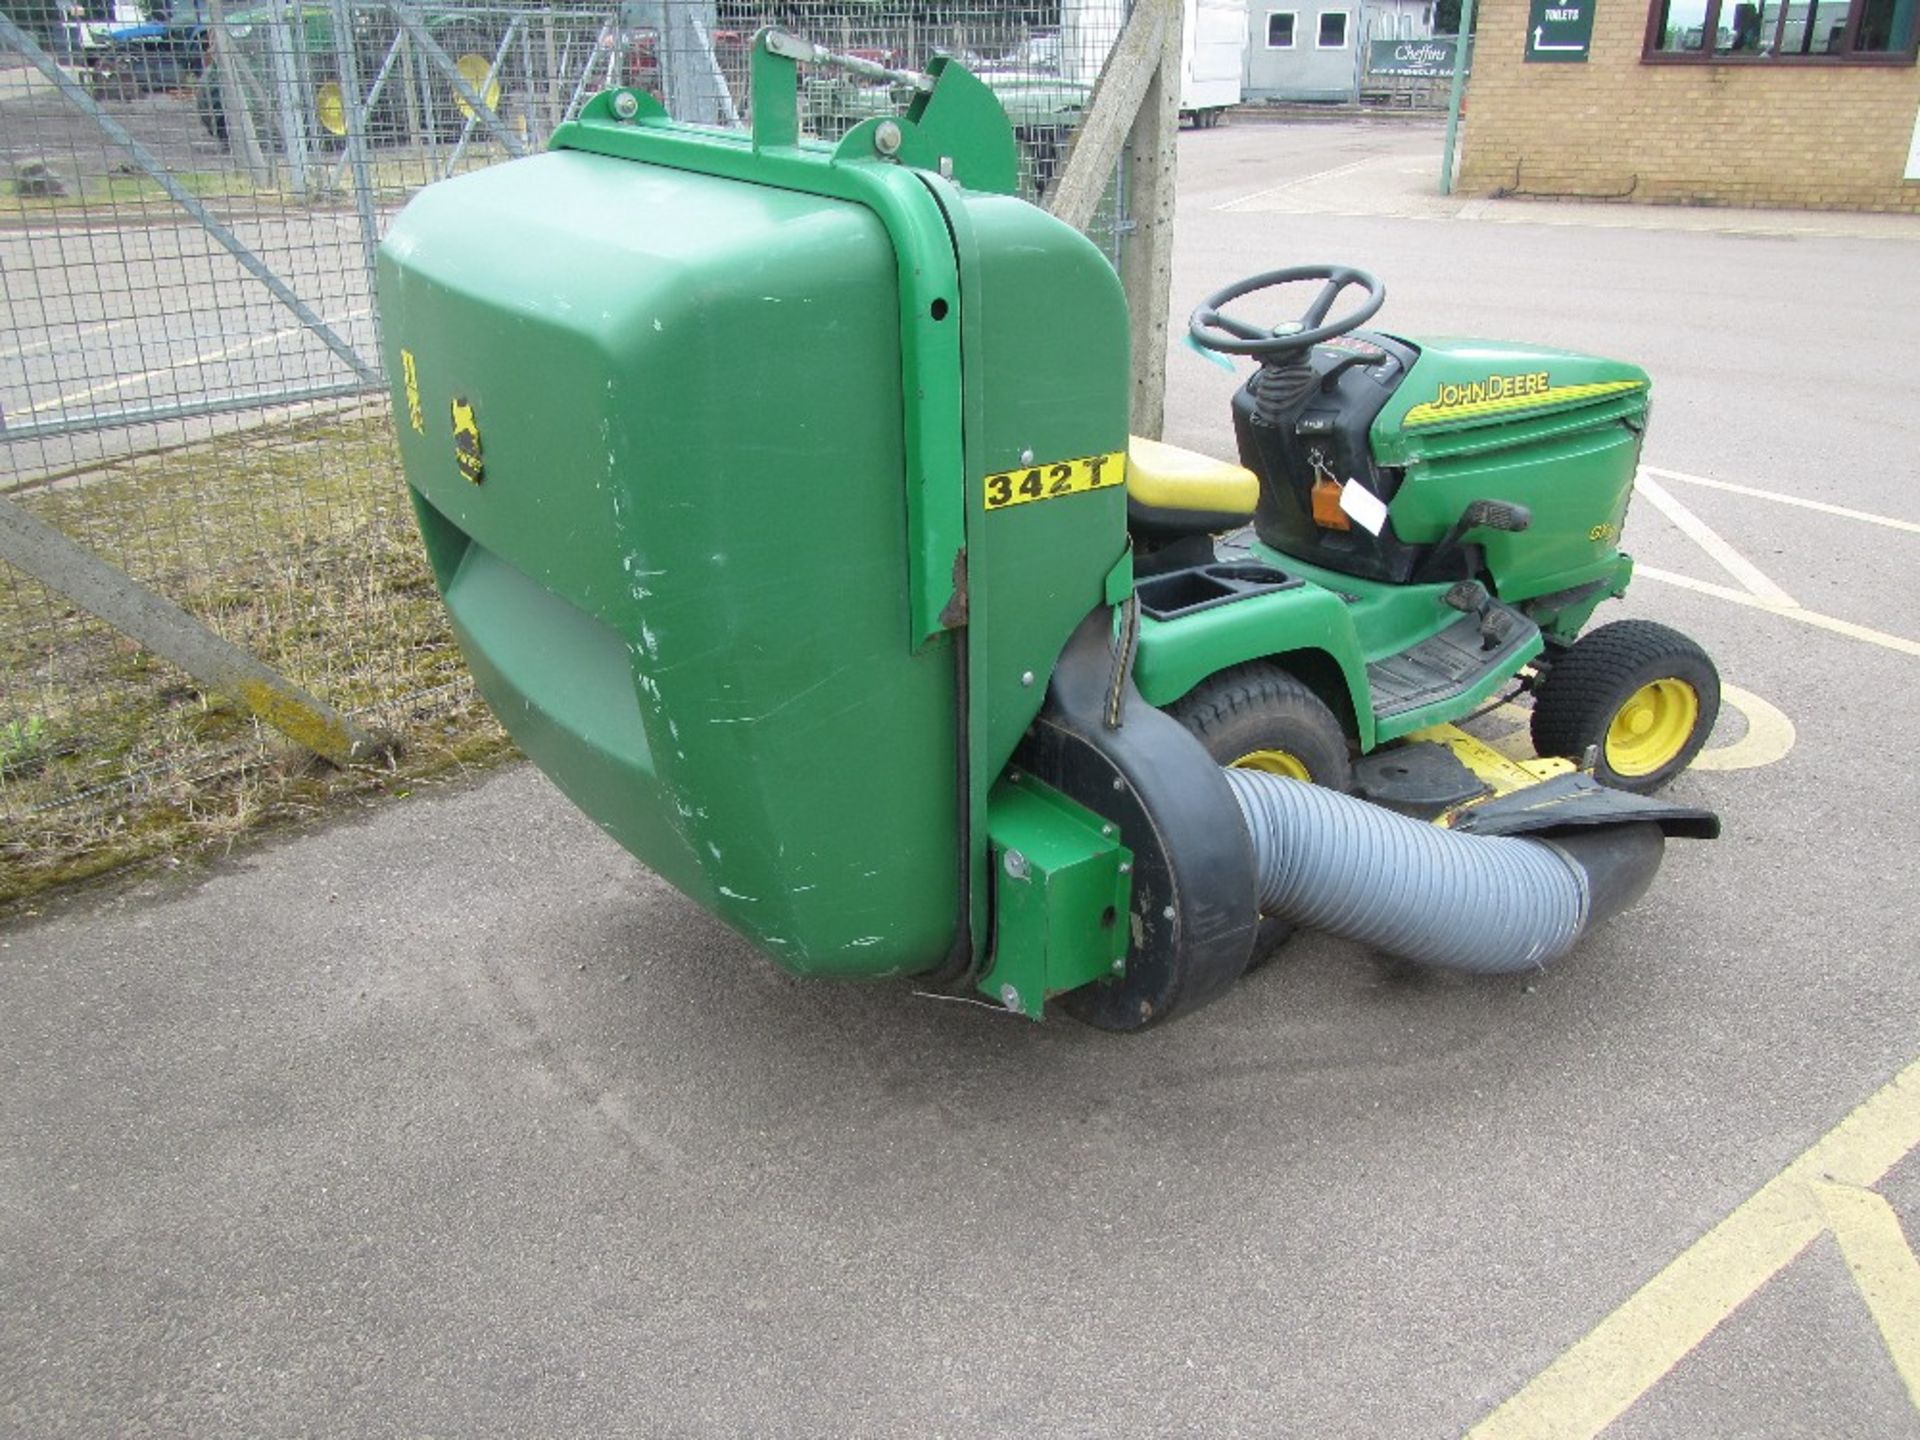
[296, 543]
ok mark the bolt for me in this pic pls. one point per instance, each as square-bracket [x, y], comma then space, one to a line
[887, 138]
[1009, 997]
[1118, 783]
[1016, 865]
[1168, 912]
[1107, 830]
[1026, 457]
[1026, 677]
[1119, 967]
[626, 105]
[1126, 867]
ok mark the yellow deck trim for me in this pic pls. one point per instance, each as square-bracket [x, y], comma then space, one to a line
[1500, 773]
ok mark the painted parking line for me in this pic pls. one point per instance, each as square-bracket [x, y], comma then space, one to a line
[1898, 643]
[1828, 1190]
[1755, 590]
[1708, 539]
[15, 352]
[62, 402]
[1252, 201]
[1844, 512]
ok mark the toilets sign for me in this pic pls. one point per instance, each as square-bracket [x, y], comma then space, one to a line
[1560, 29]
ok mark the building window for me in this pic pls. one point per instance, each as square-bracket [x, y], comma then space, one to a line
[1781, 30]
[1333, 29]
[1280, 29]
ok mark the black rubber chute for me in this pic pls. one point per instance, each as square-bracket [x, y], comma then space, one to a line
[1619, 861]
[1194, 912]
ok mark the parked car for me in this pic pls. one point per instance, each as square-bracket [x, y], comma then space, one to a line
[162, 52]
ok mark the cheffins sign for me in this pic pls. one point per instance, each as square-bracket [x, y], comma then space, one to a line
[1560, 29]
[1430, 59]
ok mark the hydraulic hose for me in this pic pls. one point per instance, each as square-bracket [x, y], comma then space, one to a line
[1490, 904]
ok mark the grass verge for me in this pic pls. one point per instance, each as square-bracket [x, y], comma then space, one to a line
[294, 541]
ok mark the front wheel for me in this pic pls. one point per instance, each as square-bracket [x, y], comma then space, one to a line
[1645, 697]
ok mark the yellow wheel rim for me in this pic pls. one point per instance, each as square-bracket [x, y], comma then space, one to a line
[1274, 762]
[1653, 727]
[475, 70]
[330, 106]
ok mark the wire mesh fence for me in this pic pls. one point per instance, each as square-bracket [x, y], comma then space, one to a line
[190, 374]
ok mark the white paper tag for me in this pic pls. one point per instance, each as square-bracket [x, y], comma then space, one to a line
[1366, 509]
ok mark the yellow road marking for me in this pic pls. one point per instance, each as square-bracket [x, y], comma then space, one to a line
[1791, 612]
[1708, 539]
[1770, 735]
[1884, 1268]
[1844, 512]
[1629, 1352]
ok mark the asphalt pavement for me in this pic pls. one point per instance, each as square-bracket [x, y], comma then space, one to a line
[452, 1120]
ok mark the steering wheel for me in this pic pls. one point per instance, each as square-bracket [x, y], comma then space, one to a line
[1212, 330]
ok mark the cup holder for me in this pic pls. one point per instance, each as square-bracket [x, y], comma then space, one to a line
[1199, 587]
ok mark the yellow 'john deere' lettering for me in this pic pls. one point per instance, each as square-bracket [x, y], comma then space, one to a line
[1498, 394]
[1494, 387]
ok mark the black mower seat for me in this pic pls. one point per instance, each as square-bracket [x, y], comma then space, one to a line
[1173, 492]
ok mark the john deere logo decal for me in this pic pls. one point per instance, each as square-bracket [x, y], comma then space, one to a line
[1502, 394]
[466, 442]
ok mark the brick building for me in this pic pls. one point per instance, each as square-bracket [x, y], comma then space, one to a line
[1811, 103]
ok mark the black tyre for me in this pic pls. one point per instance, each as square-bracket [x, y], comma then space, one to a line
[1258, 717]
[1261, 718]
[208, 104]
[1645, 696]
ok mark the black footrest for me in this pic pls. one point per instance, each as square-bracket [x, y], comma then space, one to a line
[1446, 664]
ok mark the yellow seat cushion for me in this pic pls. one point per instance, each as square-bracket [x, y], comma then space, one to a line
[1169, 478]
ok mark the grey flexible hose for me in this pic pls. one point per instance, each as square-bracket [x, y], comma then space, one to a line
[1488, 904]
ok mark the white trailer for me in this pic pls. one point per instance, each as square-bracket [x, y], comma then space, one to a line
[1212, 59]
[1212, 50]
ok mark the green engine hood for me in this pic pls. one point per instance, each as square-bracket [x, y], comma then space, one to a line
[1459, 390]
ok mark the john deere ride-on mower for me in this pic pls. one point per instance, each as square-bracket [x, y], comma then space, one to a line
[782, 499]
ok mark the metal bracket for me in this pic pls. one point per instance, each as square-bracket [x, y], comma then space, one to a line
[1062, 885]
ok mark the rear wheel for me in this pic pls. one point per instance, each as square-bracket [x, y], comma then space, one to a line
[1646, 697]
[472, 54]
[330, 108]
[1258, 717]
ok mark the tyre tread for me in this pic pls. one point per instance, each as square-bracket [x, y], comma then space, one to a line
[1573, 705]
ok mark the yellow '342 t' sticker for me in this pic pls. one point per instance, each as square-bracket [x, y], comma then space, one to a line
[1048, 482]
